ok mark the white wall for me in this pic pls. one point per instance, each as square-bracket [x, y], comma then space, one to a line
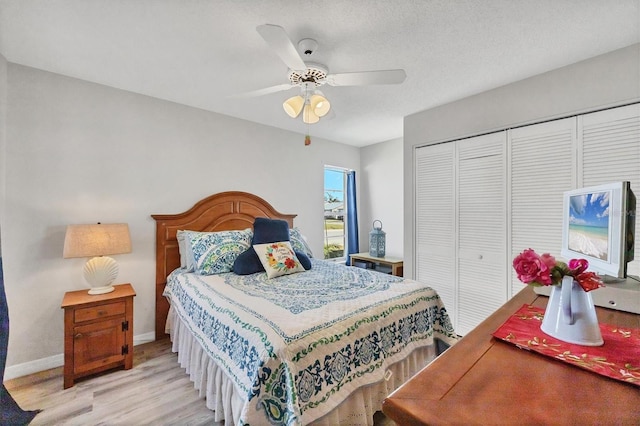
[381, 194]
[78, 152]
[607, 80]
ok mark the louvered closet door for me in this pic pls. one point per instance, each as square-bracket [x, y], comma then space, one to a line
[543, 163]
[435, 221]
[611, 152]
[481, 228]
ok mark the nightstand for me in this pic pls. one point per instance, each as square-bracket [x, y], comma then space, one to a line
[98, 332]
[389, 265]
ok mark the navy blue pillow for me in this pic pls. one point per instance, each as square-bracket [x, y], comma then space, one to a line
[304, 259]
[247, 263]
[269, 231]
[265, 231]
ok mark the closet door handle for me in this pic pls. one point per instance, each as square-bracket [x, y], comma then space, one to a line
[78, 336]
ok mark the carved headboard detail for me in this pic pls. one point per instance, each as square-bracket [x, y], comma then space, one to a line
[219, 212]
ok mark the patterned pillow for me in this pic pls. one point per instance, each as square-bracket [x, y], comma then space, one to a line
[184, 248]
[278, 258]
[298, 242]
[215, 252]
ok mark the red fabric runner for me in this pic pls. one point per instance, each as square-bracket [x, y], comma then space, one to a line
[618, 358]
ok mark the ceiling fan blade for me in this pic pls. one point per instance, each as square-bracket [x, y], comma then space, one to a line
[365, 78]
[278, 40]
[265, 91]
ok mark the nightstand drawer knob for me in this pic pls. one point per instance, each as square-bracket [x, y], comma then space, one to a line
[78, 336]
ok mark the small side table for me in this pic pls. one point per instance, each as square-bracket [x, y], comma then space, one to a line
[98, 332]
[374, 263]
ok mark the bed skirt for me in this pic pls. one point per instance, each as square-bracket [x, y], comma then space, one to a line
[221, 396]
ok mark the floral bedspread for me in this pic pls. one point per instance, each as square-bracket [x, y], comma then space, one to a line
[298, 345]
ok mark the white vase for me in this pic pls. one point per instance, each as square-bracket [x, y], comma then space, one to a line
[571, 315]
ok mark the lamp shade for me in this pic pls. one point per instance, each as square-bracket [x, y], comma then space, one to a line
[293, 106]
[320, 105]
[98, 241]
[308, 116]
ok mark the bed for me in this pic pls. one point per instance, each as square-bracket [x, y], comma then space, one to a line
[323, 346]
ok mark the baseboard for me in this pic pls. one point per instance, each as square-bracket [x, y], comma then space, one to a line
[55, 361]
[144, 338]
[31, 367]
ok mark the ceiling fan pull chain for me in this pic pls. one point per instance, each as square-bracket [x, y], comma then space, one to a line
[307, 109]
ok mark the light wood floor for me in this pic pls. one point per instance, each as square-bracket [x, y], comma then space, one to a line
[155, 391]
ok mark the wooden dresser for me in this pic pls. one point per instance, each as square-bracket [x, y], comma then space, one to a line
[98, 332]
[482, 380]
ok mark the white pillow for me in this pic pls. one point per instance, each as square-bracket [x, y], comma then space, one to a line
[181, 236]
[278, 258]
[184, 247]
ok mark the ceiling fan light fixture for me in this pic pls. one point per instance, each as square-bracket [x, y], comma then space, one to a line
[293, 106]
[308, 116]
[309, 76]
[319, 105]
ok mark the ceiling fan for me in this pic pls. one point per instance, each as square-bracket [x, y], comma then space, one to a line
[309, 76]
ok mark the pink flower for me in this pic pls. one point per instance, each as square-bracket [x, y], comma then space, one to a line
[548, 260]
[533, 268]
[543, 269]
[578, 266]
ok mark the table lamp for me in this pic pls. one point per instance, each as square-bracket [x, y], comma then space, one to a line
[98, 241]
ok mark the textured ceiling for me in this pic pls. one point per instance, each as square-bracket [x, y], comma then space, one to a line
[200, 52]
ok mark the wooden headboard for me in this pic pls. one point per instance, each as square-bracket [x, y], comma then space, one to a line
[219, 212]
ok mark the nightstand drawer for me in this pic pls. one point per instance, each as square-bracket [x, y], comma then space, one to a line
[100, 311]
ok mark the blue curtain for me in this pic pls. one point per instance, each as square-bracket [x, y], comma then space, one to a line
[10, 412]
[353, 246]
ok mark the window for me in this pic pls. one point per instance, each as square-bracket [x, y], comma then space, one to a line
[335, 184]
